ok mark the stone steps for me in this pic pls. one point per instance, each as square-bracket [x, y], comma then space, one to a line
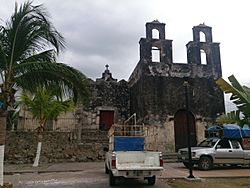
[170, 157]
[90, 138]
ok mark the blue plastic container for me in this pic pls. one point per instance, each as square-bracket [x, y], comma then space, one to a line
[122, 143]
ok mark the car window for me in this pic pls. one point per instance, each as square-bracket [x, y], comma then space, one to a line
[223, 144]
[235, 144]
[208, 143]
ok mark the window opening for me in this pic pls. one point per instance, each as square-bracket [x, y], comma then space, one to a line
[223, 144]
[202, 37]
[235, 144]
[203, 57]
[155, 34]
[155, 54]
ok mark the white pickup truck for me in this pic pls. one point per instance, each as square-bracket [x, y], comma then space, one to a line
[126, 158]
[214, 151]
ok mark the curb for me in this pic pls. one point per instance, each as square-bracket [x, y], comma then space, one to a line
[39, 171]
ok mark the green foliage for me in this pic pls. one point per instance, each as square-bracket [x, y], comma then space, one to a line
[29, 44]
[45, 104]
[240, 96]
[229, 118]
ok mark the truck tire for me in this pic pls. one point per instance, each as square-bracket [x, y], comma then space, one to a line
[111, 179]
[205, 163]
[106, 169]
[151, 180]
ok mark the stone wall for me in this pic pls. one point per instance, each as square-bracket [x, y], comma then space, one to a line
[56, 147]
[161, 138]
[162, 95]
[69, 147]
[106, 95]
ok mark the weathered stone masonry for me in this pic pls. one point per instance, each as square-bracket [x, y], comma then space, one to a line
[107, 95]
[56, 147]
[156, 88]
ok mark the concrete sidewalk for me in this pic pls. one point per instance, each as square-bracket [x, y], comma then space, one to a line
[171, 170]
[177, 170]
[10, 169]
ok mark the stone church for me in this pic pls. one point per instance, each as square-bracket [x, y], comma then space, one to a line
[155, 95]
[155, 91]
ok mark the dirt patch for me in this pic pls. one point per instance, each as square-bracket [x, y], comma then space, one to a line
[210, 183]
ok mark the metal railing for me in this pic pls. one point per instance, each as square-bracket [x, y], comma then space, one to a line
[62, 124]
[126, 130]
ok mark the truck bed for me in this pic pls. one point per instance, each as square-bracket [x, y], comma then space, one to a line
[137, 160]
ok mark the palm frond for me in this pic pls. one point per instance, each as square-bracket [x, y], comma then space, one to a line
[72, 82]
[44, 105]
[240, 94]
[29, 44]
[29, 31]
[45, 56]
[229, 118]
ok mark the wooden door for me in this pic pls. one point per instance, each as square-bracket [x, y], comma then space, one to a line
[106, 119]
[180, 129]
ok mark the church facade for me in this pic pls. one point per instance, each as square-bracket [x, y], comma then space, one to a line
[160, 94]
[159, 91]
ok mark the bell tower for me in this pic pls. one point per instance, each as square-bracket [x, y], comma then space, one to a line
[155, 48]
[202, 50]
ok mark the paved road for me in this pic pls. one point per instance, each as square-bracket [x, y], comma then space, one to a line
[86, 175]
[81, 179]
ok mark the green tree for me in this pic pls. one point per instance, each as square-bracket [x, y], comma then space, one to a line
[240, 96]
[29, 44]
[44, 105]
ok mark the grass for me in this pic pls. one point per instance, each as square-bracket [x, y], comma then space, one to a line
[210, 183]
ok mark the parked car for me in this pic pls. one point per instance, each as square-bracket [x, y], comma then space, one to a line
[214, 151]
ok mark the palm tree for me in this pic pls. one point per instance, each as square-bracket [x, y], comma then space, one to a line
[232, 117]
[240, 97]
[29, 45]
[44, 105]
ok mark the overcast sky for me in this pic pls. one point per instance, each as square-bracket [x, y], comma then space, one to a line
[100, 32]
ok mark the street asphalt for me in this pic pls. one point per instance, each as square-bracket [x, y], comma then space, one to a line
[171, 170]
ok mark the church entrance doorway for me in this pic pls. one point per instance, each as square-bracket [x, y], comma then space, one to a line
[106, 119]
[180, 129]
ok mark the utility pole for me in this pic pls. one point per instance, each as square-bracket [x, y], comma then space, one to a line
[190, 166]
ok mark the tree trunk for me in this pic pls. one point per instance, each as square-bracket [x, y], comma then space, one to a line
[3, 118]
[39, 146]
[38, 153]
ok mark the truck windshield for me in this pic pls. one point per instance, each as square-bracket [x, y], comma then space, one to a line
[208, 143]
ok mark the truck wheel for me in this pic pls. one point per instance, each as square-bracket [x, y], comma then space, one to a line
[151, 180]
[111, 179]
[205, 163]
[106, 169]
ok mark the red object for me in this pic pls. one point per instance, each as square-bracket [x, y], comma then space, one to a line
[113, 161]
[106, 119]
[161, 161]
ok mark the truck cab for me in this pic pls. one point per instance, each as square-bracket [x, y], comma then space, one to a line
[214, 151]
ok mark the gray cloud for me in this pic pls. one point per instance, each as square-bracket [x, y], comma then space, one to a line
[100, 32]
